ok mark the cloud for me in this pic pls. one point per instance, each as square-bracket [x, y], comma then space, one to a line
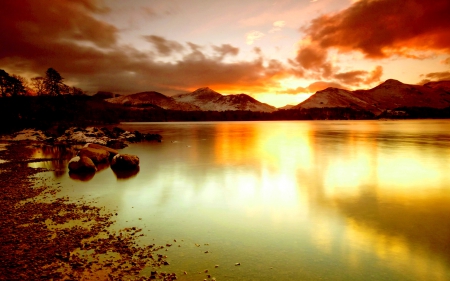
[163, 46]
[384, 28]
[277, 26]
[313, 57]
[375, 75]
[357, 77]
[86, 52]
[226, 49]
[252, 36]
[354, 77]
[436, 76]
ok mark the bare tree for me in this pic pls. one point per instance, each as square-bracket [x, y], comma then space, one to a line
[38, 84]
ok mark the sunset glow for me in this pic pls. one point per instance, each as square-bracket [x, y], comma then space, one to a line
[279, 52]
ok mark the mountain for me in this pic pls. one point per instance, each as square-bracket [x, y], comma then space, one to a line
[387, 96]
[288, 106]
[207, 99]
[149, 99]
[105, 95]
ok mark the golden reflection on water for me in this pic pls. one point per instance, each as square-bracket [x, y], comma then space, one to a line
[394, 195]
[354, 195]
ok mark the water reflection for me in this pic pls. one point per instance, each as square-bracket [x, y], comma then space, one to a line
[126, 174]
[84, 176]
[360, 200]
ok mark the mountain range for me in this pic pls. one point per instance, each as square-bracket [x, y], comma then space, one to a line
[203, 99]
[389, 95]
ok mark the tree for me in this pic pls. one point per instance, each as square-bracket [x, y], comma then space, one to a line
[16, 86]
[53, 82]
[12, 85]
[4, 82]
[77, 91]
[38, 84]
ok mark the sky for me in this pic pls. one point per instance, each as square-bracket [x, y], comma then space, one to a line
[277, 51]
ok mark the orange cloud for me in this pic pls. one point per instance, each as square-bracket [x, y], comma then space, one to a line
[436, 76]
[382, 28]
[163, 46]
[357, 77]
[70, 38]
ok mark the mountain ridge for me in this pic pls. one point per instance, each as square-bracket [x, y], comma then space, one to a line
[388, 95]
[202, 99]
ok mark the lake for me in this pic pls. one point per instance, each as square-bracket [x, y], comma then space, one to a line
[287, 200]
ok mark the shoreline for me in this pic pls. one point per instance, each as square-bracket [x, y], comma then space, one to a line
[48, 237]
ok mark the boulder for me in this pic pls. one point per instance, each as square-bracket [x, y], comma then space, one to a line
[112, 152]
[81, 164]
[96, 155]
[125, 162]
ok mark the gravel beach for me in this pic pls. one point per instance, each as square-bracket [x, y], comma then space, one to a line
[46, 237]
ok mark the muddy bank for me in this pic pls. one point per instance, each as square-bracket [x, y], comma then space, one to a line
[45, 237]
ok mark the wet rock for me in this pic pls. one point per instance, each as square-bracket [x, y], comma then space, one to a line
[96, 155]
[81, 164]
[126, 173]
[125, 162]
[82, 176]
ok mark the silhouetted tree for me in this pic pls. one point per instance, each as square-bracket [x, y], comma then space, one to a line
[53, 82]
[5, 81]
[38, 84]
[12, 85]
[77, 91]
[16, 85]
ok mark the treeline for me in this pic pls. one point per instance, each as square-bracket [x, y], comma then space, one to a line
[43, 112]
[51, 84]
[161, 115]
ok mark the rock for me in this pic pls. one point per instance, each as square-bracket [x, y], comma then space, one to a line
[88, 135]
[125, 161]
[96, 155]
[81, 164]
[112, 152]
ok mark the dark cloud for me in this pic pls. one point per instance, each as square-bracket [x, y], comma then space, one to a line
[374, 75]
[378, 29]
[436, 76]
[358, 77]
[163, 46]
[226, 49]
[351, 77]
[67, 36]
[382, 28]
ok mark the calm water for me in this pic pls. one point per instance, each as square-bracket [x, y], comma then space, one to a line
[306, 200]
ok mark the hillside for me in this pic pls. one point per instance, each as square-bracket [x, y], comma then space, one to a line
[389, 95]
[149, 99]
[208, 100]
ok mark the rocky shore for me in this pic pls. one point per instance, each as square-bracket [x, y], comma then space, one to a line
[115, 137]
[45, 237]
